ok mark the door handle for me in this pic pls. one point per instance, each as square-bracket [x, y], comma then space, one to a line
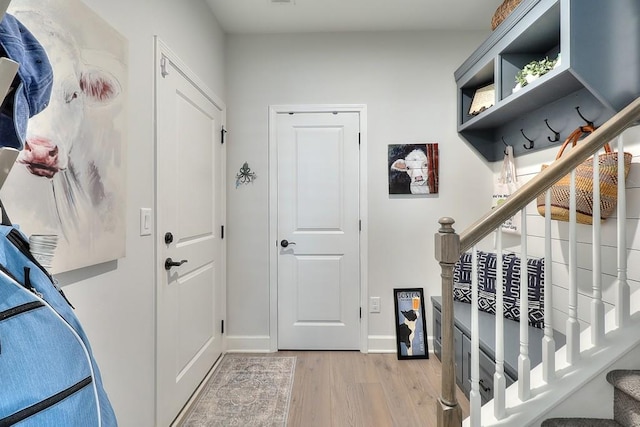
[284, 243]
[168, 263]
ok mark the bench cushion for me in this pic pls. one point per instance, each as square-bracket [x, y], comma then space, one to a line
[511, 278]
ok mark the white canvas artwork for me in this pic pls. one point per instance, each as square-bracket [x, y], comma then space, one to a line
[70, 180]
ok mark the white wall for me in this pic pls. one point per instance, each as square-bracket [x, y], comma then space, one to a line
[527, 167]
[406, 81]
[115, 300]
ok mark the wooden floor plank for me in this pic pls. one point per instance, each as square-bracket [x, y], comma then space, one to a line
[393, 374]
[352, 389]
[311, 395]
[370, 407]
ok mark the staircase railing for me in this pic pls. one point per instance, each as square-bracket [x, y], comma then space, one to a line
[449, 246]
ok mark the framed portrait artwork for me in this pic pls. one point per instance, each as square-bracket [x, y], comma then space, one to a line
[411, 327]
[413, 169]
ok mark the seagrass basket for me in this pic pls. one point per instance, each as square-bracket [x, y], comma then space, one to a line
[561, 190]
[503, 11]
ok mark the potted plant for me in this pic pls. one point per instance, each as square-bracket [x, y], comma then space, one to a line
[534, 70]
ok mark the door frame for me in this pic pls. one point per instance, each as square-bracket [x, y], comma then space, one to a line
[274, 110]
[162, 50]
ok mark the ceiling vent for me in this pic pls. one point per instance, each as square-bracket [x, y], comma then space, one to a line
[291, 2]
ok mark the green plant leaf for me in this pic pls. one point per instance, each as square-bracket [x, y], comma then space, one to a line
[535, 68]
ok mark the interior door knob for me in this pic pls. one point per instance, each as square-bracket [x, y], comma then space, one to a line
[284, 243]
[168, 263]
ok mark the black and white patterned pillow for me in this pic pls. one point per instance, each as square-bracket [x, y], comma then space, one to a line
[487, 281]
[511, 271]
[511, 285]
[535, 270]
[462, 278]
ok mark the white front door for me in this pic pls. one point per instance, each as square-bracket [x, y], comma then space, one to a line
[318, 231]
[189, 250]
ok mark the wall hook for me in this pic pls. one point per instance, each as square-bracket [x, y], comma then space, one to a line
[505, 145]
[530, 141]
[589, 122]
[556, 137]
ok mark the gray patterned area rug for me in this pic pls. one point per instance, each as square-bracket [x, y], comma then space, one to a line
[245, 391]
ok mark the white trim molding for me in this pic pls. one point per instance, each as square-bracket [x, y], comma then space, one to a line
[248, 344]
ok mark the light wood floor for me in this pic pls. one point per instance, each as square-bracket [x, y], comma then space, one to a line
[336, 389]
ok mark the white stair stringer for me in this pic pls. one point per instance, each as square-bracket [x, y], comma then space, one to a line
[569, 378]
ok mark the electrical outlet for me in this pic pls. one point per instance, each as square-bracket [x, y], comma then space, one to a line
[374, 305]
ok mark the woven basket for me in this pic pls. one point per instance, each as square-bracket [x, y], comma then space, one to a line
[503, 11]
[560, 191]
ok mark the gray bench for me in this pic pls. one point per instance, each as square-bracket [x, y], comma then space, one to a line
[462, 346]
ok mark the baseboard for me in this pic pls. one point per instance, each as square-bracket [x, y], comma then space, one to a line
[381, 344]
[248, 344]
[388, 344]
[261, 344]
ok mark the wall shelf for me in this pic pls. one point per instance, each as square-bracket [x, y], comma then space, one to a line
[598, 72]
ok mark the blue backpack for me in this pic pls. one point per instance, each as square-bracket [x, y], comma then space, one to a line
[48, 376]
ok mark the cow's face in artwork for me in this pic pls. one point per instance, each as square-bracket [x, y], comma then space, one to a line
[53, 132]
[415, 165]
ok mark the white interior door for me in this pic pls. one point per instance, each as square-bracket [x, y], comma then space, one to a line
[318, 231]
[189, 204]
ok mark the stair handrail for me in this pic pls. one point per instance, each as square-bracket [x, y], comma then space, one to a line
[545, 179]
[449, 245]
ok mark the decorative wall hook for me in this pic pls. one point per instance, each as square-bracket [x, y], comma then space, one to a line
[556, 134]
[589, 122]
[530, 141]
[505, 146]
[245, 176]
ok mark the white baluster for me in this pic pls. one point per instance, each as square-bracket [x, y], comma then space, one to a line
[475, 401]
[624, 293]
[573, 326]
[597, 306]
[499, 380]
[548, 342]
[524, 363]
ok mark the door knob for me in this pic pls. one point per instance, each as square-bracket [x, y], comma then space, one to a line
[284, 243]
[168, 263]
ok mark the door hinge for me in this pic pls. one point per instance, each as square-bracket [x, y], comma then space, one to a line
[358, 138]
[361, 312]
[223, 131]
[222, 326]
[222, 232]
[359, 225]
[163, 67]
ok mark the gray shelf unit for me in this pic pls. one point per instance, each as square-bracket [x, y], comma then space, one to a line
[599, 72]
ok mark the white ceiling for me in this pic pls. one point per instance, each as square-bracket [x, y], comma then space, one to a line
[263, 16]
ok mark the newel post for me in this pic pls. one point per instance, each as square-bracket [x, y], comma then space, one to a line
[447, 251]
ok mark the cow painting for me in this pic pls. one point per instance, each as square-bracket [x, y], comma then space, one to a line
[407, 329]
[413, 169]
[411, 325]
[69, 178]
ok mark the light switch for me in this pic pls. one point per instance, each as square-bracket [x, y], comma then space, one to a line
[145, 221]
